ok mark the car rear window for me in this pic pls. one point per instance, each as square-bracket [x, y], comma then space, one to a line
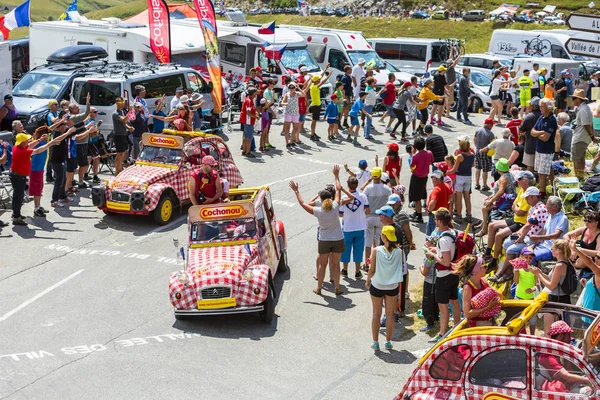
[101, 93]
[449, 365]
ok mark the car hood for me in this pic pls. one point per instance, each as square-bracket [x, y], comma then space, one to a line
[136, 175]
[220, 260]
[28, 105]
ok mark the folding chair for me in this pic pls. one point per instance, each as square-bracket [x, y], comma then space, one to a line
[568, 187]
[107, 156]
[6, 189]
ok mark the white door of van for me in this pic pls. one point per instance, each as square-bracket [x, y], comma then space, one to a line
[102, 97]
[6, 72]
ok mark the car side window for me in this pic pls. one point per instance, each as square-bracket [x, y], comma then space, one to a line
[171, 83]
[547, 366]
[506, 368]
[153, 87]
[558, 52]
[337, 59]
[449, 365]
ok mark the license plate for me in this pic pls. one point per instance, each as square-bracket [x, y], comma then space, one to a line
[118, 206]
[216, 303]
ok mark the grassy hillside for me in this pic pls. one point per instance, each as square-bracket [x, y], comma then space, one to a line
[476, 34]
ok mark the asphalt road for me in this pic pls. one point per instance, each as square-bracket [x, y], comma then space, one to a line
[84, 307]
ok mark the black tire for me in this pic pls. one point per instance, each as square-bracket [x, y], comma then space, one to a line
[268, 312]
[476, 104]
[159, 217]
[283, 262]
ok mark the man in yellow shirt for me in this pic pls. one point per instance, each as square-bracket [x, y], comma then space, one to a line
[525, 84]
[426, 96]
[501, 229]
[315, 102]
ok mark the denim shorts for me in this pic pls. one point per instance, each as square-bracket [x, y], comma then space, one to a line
[354, 121]
[248, 131]
[302, 117]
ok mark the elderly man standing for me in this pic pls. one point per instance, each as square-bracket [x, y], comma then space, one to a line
[483, 162]
[583, 134]
[545, 132]
[502, 149]
[554, 228]
[357, 73]
[526, 127]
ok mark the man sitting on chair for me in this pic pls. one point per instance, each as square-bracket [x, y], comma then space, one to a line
[205, 185]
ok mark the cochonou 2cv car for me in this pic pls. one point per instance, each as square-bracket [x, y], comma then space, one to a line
[506, 362]
[158, 182]
[235, 250]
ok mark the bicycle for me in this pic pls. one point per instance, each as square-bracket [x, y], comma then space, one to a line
[537, 46]
[234, 94]
[457, 44]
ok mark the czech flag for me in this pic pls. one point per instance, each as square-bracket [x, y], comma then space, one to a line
[267, 29]
[15, 19]
[65, 15]
[274, 51]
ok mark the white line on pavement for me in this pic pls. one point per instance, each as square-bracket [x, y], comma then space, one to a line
[296, 177]
[39, 295]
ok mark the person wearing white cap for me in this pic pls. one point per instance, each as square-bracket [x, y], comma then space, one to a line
[175, 101]
[357, 73]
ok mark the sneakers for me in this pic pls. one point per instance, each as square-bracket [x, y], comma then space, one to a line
[349, 138]
[269, 146]
[66, 200]
[478, 187]
[426, 328]
[459, 119]
[392, 135]
[388, 345]
[39, 213]
[375, 346]
[457, 219]
[435, 339]
[96, 179]
[441, 123]
[389, 130]
[404, 139]
[416, 218]
[82, 185]
[356, 142]
[485, 188]
[51, 180]
[468, 122]
[468, 218]
[57, 204]
[87, 177]
[20, 221]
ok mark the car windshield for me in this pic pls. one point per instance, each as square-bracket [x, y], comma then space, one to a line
[292, 58]
[480, 79]
[161, 155]
[39, 86]
[235, 229]
[370, 56]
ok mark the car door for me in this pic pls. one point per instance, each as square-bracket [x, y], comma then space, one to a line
[266, 239]
[500, 370]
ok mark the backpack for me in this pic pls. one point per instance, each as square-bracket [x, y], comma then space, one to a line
[338, 77]
[592, 184]
[569, 284]
[464, 246]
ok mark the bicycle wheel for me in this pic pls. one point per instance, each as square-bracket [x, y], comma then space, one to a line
[444, 52]
[545, 47]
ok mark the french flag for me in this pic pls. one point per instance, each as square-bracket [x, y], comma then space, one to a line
[15, 19]
[274, 51]
[267, 29]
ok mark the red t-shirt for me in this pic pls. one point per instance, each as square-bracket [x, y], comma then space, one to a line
[420, 163]
[513, 126]
[390, 93]
[248, 111]
[301, 100]
[441, 193]
[21, 160]
[206, 183]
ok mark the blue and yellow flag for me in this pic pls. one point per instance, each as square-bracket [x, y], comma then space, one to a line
[65, 15]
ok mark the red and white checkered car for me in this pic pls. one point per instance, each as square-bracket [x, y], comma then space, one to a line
[504, 362]
[235, 251]
[157, 183]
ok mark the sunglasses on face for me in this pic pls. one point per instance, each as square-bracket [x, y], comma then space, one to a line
[589, 220]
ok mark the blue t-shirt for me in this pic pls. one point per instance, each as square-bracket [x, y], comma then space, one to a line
[591, 298]
[38, 161]
[331, 112]
[94, 139]
[569, 84]
[6, 166]
[547, 124]
[50, 116]
[71, 147]
[158, 125]
[356, 107]
[347, 81]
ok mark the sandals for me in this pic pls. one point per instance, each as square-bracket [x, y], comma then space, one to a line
[317, 292]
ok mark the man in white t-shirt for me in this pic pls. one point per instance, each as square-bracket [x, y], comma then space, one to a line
[357, 73]
[175, 101]
[534, 75]
[364, 173]
[377, 194]
[446, 283]
[354, 224]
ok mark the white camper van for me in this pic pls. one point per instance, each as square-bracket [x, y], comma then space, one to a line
[410, 54]
[338, 48]
[6, 70]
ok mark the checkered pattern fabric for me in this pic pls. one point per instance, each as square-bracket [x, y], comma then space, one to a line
[422, 386]
[483, 162]
[223, 266]
[158, 179]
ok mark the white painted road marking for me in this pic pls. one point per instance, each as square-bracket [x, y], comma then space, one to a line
[284, 203]
[39, 295]
[296, 177]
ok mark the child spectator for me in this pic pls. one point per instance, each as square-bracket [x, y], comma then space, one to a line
[513, 125]
[265, 119]
[525, 280]
[417, 189]
[370, 101]
[357, 108]
[339, 92]
[410, 150]
[364, 173]
[157, 124]
[331, 116]
[429, 307]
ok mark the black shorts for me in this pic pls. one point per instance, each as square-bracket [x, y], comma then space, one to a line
[93, 150]
[565, 298]
[494, 98]
[512, 225]
[380, 293]
[71, 164]
[561, 103]
[509, 97]
[121, 143]
[438, 102]
[417, 190]
[535, 92]
[446, 289]
[82, 155]
[315, 112]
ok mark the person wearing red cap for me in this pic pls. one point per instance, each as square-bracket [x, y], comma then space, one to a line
[205, 186]
[551, 372]
[483, 162]
[392, 163]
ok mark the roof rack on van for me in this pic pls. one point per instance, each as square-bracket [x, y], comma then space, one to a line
[304, 28]
[125, 69]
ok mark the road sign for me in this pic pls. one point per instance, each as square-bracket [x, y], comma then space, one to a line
[584, 22]
[582, 47]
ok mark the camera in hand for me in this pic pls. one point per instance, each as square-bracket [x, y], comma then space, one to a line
[200, 197]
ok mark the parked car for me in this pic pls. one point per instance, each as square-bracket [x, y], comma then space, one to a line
[340, 12]
[420, 15]
[550, 20]
[474, 15]
[482, 62]
[235, 251]
[254, 11]
[523, 19]
[439, 14]
[328, 11]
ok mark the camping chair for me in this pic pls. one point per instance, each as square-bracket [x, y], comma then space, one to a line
[6, 189]
[568, 187]
[107, 156]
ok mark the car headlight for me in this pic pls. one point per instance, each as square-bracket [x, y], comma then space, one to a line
[35, 118]
[248, 275]
[183, 278]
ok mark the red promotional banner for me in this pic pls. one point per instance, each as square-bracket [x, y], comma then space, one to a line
[208, 25]
[160, 30]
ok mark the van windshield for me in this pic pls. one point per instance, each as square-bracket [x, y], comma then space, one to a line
[101, 93]
[370, 56]
[40, 86]
[291, 58]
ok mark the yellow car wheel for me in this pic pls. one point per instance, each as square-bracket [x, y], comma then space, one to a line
[164, 209]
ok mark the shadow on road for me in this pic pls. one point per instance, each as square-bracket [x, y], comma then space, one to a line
[396, 357]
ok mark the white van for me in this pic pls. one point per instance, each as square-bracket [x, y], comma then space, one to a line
[579, 70]
[338, 48]
[6, 71]
[104, 84]
[410, 54]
